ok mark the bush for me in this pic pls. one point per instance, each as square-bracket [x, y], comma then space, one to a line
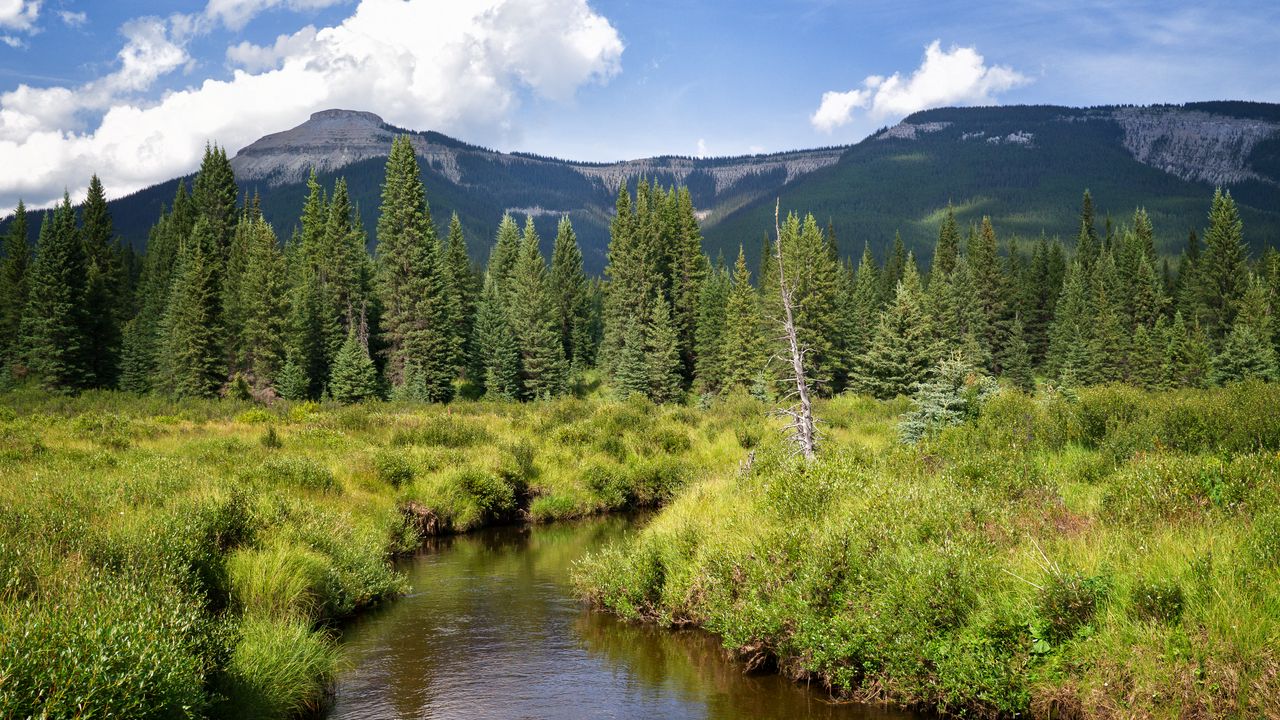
[494, 497]
[1068, 603]
[609, 484]
[1157, 600]
[450, 432]
[271, 439]
[393, 469]
[278, 581]
[279, 668]
[297, 472]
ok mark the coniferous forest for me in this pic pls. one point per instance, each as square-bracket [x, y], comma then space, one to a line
[219, 304]
[1046, 480]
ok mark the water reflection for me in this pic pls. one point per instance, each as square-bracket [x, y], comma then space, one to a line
[492, 630]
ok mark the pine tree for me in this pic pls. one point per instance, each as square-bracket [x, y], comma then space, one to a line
[262, 292]
[662, 355]
[1188, 362]
[815, 280]
[1248, 352]
[990, 289]
[1146, 357]
[1108, 344]
[1222, 272]
[354, 377]
[534, 322]
[143, 334]
[862, 310]
[13, 288]
[948, 247]
[743, 345]
[1087, 245]
[498, 369]
[894, 267]
[688, 268]
[631, 275]
[902, 353]
[1069, 336]
[414, 296]
[712, 324]
[53, 326]
[568, 282]
[103, 283]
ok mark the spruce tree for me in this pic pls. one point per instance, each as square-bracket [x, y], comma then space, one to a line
[143, 334]
[53, 326]
[464, 289]
[13, 288]
[416, 315]
[743, 347]
[710, 370]
[193, 358]
[262, 296]
[568, 281]
[498, 369]
[1068, 357]
[1248, 352]
[662, 355]
[354, 377]
[990, 289]
[1088, 246]
[1146, 356]
[862, 310]
[894, 267]
[902, 353]
[948, 247]
[1222, 272]
[1017, 359]
[103, 283]
[534, 319]
[1188, 362]
[1108, 344]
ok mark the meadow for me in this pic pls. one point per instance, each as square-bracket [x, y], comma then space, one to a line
[1106, 552]
[195, 558]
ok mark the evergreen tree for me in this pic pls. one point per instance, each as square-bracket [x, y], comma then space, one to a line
[53, 327]
[743, 345]
[1087, 244]
[948, 247]
[568, 282]
[534, 319]
[1017, 359]
[1222, 272]
[1146, 356]
[1188, 362]
[1108, 345]
[815, 279]
[712, 326]
[354, 376]
[990, 291]
[103, 283]
[498, 369]
[416, 309]
[630, 272]
[902, 353]
[1187, 286]
[688, 269]
[194, 364]
[1068, 357]
[894, 267]
[662, 356]
[463, 289]
[862, 310]
[262, 291]
[1248, 352]
[13, 288]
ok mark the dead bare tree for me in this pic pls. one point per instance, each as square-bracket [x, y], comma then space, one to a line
[802, 428]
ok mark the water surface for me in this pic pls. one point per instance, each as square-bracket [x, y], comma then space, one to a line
[492, 630]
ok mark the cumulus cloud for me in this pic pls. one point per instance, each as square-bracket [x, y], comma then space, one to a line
[458, 67]
[73, 19]
[235, 14]
[959, 76]
[19, 14]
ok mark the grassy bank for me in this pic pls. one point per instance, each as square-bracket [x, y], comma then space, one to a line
[1110, 553]
[188, 560]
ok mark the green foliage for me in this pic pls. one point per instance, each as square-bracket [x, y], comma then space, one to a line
[279, 668]
[953, 396]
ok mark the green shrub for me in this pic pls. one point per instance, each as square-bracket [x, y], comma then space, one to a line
[393, 469]
[271, 439]
[610, 484]
[278, 669]
[655, 480]
[1157, 600]
[546, 508]
[296, 472]
[748, 435]
[278, 581]
[494, 497]
[450, 432]
[108, 430]
[255, 416]
[666, 439]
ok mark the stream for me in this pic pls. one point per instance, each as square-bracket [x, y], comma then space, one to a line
[492, 629]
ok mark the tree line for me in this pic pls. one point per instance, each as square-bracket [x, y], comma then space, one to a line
[219, 305]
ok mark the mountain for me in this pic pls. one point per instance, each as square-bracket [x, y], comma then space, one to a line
[1025, 166]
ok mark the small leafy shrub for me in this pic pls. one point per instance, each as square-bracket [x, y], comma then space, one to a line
[255, 416]
[304, 411]
[655, 480]
[608, 483]
[492, 495]
[1068, 603]
[516, 467]
[1157, 600]
[278, 668]
[108, 430]
[748, 435]
[19, 445]
[546, 508]
[614, 446]
[666, 439]
[393, 469]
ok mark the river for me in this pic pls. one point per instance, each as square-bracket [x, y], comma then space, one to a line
[492, 629]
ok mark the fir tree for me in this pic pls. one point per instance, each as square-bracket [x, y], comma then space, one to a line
[1108, 345]
[990, 292]
[1087, 245]
[948, 247]
[1068, 356]
[143, 334]
[743, 345]
[1017, 359]
[416, 310]
[712, 324]
[262, 293]
[53, 326]
[894, 267]
[862, 310]
[498, 369]
[464, 291]
[1188, 362]
[1146, 357]
[194, 364]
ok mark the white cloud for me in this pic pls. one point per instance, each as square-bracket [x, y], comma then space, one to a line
[455, 67]
[959, 76]
[73, 19]
[235, 14]
[19, 14]
[702, 148]
[13, 42]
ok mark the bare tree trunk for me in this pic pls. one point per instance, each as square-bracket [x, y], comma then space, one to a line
[802, 428]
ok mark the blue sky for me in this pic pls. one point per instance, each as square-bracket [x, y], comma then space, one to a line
[132, 89]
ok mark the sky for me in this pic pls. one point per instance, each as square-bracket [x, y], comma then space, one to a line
[133, 89]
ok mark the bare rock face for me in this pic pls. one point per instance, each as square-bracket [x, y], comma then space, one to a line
[332, 139]
[1192, 144]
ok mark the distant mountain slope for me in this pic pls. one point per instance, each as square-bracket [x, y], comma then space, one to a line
[1027, 167]
[1024, 166]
